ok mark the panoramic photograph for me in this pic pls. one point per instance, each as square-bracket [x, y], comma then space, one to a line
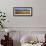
[22, 11]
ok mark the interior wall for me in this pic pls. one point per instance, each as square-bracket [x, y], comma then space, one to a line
[38, 18]
[25, 23]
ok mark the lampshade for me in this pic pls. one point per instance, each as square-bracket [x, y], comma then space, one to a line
[7, 30]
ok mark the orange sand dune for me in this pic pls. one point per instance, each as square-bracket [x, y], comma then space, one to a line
[22, 12]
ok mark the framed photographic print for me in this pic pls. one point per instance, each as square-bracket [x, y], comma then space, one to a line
[22, 11]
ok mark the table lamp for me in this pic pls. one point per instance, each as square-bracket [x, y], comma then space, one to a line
[7, 31]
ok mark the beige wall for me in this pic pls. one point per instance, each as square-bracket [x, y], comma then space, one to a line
[37, 20]
[25, 23]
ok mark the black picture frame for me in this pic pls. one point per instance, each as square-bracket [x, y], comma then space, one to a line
[22, 11]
